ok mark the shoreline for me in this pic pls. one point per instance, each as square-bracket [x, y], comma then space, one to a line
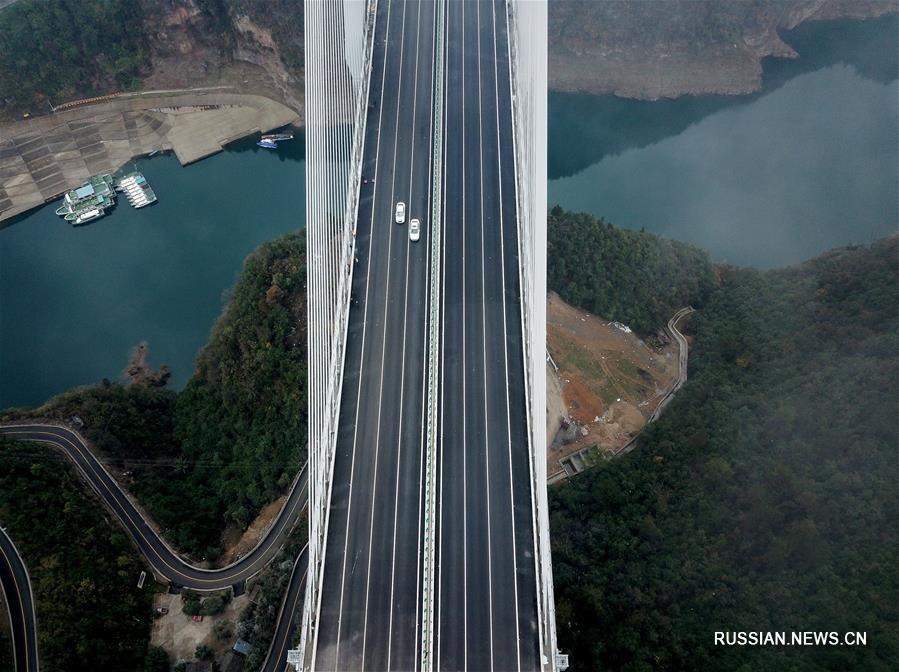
[43, 157]
[605, 66]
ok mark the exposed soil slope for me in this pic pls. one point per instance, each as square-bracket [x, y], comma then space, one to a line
[611, 381]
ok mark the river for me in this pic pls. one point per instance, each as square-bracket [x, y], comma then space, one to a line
[770, 179]
[807, 164]
[76, 301]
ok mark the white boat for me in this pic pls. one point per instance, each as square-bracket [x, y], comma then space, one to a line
[87, 216]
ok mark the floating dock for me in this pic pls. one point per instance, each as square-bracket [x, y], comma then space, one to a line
[89, 201]
[136, 190]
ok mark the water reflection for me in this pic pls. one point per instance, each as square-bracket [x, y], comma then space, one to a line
[803, 169]
[584, 129]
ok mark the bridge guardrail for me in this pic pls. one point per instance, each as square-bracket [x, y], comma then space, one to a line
[429, 561]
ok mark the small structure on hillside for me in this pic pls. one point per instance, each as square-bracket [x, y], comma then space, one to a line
[242, 647]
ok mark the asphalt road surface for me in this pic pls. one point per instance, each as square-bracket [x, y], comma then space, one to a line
[19, 605]
[486, 613]
[165, 563]
[276, 660]
[370, 598]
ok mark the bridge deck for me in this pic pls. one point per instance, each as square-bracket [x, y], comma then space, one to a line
[486, 612]
[487, 606]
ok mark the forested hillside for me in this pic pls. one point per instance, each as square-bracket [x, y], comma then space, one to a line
[5, 646]
[242, 417]
[765, 498]
[233, 440]
[53, 51]
[84, 570]
[634, 277]
[56, 51]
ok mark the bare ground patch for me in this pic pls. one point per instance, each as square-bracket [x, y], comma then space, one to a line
[237, 543]
[180, 636]
[611, 380]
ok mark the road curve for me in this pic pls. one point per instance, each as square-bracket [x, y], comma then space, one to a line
[683, 353]
[165, 562]
[17, 593]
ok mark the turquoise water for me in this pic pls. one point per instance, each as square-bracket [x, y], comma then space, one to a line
[74, 302]
[767, 180]
[770, 179]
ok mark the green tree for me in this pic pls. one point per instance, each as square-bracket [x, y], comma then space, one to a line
[765, 496]
[633, 277]
[224, 630]
[203, 652]
[157, 660]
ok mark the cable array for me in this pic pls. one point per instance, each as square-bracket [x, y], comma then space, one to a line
[337, 42]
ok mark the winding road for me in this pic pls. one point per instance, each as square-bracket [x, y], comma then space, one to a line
[165, 563]
[683, 355]
[16, 587]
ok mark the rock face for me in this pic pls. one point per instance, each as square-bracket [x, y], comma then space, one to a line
[254, 45]
[652, 50]
[140, 373]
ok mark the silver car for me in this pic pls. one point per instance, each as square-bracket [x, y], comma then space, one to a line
[400, 213]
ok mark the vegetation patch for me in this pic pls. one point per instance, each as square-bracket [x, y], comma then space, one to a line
[52, 52]
[633, 277]
[233, 440]
[84, 570]
[5, 645]
[764, 499]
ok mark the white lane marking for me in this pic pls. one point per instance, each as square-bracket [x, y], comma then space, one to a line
[362, 356]
[486, 430]
[539, 570]
[374, 489]
[399, 436]
[464, 420]
[442, 361]
[502, 248]
[21, 602]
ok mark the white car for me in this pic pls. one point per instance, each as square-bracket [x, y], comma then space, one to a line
[400, 213]
[414, 230]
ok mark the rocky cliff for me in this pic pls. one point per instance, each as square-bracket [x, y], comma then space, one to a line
[652, 50]
[254, 45]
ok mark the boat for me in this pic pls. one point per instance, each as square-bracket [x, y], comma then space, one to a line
[277, 137]
[87, 216]
[268, 144]
[96, 191]
[136, 189]
[89, 201]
